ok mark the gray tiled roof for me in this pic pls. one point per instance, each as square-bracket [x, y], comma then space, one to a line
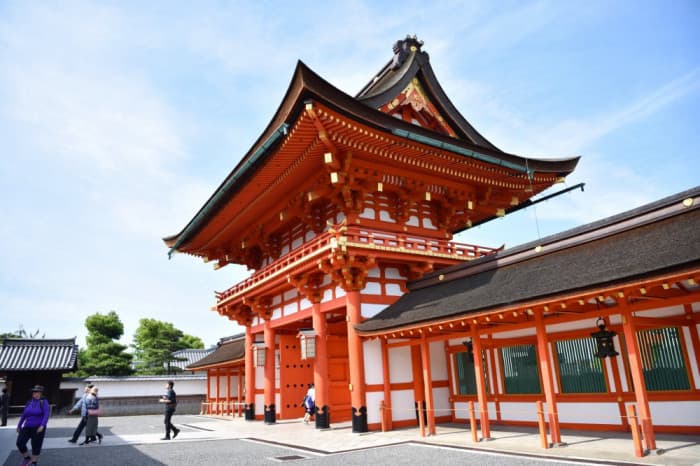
[189, 356]
[230, 349]
[24, 354]
[658, 238]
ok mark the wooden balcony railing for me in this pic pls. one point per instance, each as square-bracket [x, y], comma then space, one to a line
[361, 238]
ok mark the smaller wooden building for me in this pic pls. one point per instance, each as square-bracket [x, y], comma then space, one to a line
[25, 362]
[225, 369]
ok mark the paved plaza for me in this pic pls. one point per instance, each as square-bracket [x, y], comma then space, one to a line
[135, 440]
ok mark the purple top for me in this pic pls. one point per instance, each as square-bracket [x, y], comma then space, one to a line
[35, 414]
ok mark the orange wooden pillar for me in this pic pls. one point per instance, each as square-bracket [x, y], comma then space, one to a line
[639, 387]
[207, 409]
[228, 390]
[356, 363]
[249, 376]
[239, 394]
[543, 358]
[428, 384]
[321, 386]
[270, 409]
[216, 390]
[480, 384]
[418, 392]
[388, 416]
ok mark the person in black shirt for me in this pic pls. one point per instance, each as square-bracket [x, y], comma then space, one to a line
[170, 401]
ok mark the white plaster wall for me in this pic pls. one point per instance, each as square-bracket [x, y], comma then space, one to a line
[373, 288]
[438, 361]
[400, 368]
[402, 405]
[327, 296]
[393, 289]
[297, 242]
[441, 400]
[428, 224]
[339, 292]
[260, 403]
[462, 410]
[566, 326]
[413, 221]
[384, 216]
[372, 350]
[374, 273]
[662, 312]
[691, 356]
[304, 303]
[392, 273]
[370, 310]
[609, 373]
[518, 411]
[589, 413]
[259, 377]
[277, 299]
[620, 365]
[515, 334]
[373, 399]
[116, 387]
[675, 413]
[367, 213]
[291, 308]
[277, 313]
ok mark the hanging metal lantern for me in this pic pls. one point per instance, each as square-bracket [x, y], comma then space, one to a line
[307, 342]
[604, 340]
[259, 353]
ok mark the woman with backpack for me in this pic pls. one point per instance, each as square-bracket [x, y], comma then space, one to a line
[32, 425]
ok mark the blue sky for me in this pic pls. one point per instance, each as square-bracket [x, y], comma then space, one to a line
[119, 119]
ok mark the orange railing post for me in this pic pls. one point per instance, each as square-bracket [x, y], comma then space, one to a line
[472, 422]
[634, 425]
[542, 425]
[382, 414]
[421, 422]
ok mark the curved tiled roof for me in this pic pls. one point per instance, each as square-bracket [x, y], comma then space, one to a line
[24, 354]
[307, 87]
[658, 238]
[229, 350]
[185, 357]
[411, 62]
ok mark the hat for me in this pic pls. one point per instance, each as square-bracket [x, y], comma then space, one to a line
[38, 388]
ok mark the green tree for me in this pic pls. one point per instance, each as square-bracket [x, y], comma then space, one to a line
[154, 343]
[104, 355]
[188, 341]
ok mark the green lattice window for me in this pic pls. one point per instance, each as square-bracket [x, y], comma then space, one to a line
[579, 370]
[662, 359]
[520, 369]
[466, 378]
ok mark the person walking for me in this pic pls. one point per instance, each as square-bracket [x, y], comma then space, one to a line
[80, 405]
[4, 406]
[92, 404]
[170, 401]
[309, 403]
[32, 425]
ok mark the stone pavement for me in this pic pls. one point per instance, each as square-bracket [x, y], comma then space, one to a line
[592, 447]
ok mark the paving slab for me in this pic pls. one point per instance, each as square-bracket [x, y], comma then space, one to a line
[581, 446]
